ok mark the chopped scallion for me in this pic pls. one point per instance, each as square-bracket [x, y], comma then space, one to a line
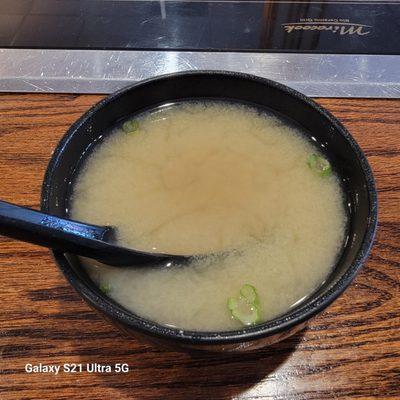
[105, 288]
[319, 165]
[245, 308]
[131, 126]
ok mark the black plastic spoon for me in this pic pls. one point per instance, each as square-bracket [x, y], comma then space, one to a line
[74, 237]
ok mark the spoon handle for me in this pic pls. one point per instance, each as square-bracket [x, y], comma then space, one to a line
[47, 230]
[71, 236]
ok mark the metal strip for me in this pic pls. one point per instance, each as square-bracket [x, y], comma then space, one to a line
[270, 1]
[104, 71]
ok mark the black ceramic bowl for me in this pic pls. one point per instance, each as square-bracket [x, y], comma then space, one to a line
[326, 131]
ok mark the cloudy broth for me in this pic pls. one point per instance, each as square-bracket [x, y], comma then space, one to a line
[213, 177]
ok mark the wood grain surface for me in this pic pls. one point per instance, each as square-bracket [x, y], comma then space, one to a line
[350, 351]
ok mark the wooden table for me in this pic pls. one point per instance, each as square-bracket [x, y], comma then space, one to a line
[350, 351]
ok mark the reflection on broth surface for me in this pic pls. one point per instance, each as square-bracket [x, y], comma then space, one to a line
[199, 178]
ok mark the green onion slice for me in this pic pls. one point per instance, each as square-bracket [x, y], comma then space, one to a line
[245, 308]
[105, 288]
[320, 165]
[131, 126]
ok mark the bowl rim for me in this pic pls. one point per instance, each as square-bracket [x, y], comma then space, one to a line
[269, 328]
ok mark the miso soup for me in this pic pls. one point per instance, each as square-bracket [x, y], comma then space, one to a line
[244, 186]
